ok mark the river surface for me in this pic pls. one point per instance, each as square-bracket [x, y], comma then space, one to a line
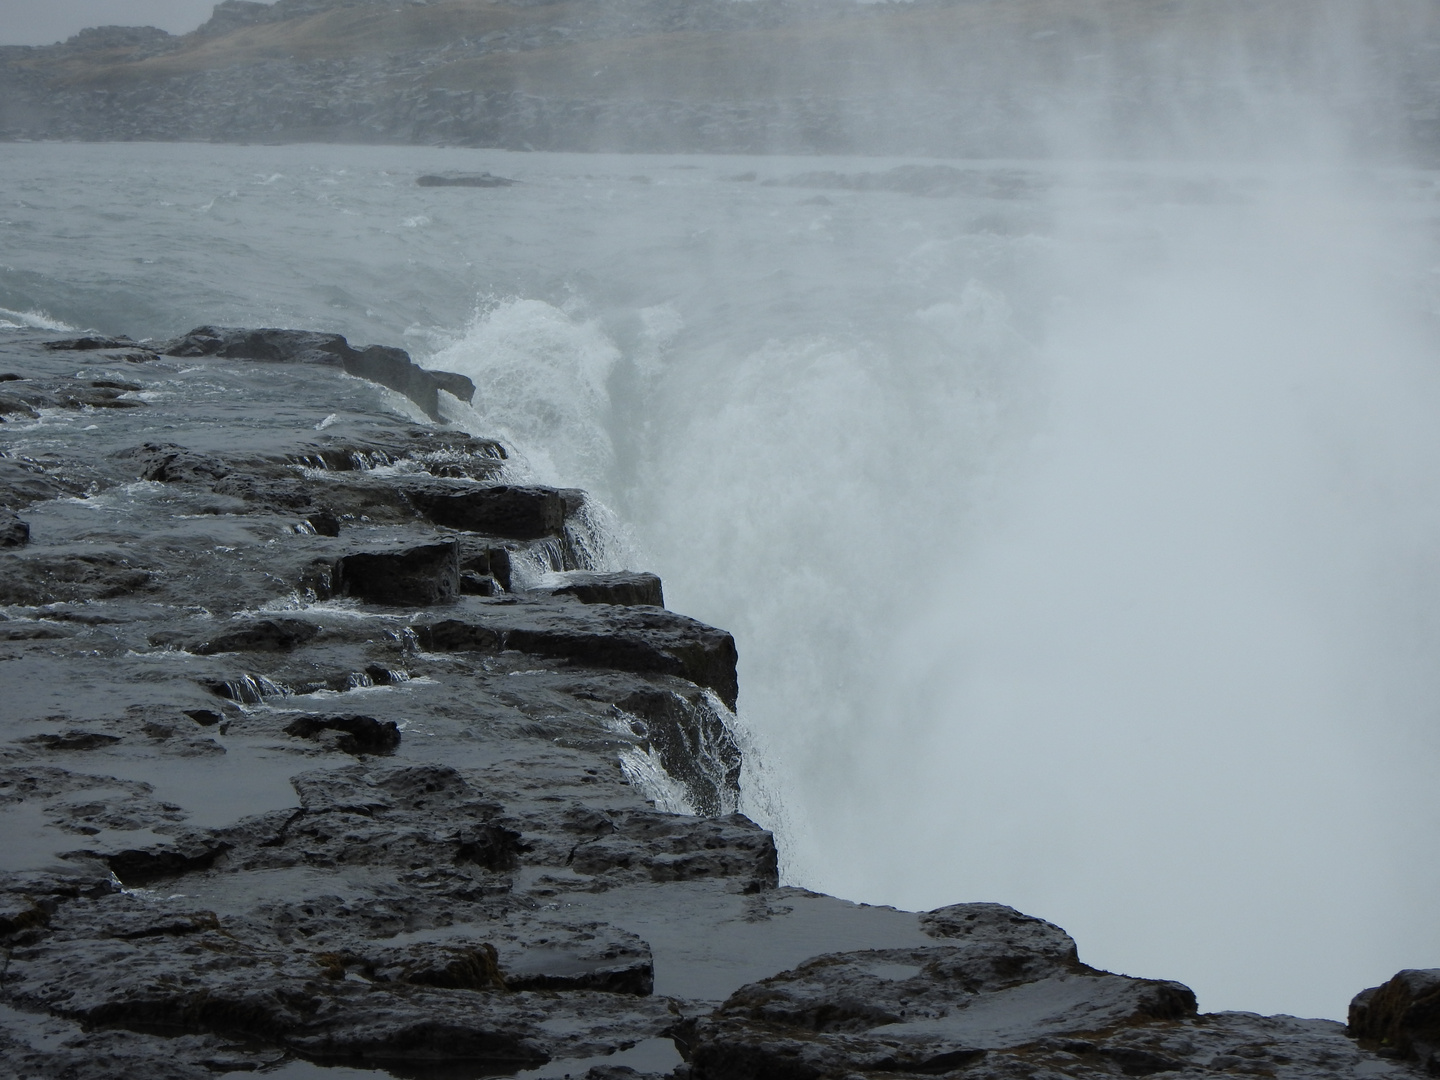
[1079, 526]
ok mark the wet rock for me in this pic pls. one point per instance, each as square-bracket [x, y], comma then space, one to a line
[1007, 983]
[323, 523]
[12, 407]
[73, 740]
[671, 847]
[484, 180]
[393, 368]
[513, 511]
[357, 734]
[591, 587]
[141, 866]
[1401, 1017]
[483, 560]
[693, 743]
[13, 531]
[274, 345]
[92, 341]
[24, 482]
[84, 575]
[493, 847]
[410, 574]
[263, 635]
[390, 367]
[639, 639]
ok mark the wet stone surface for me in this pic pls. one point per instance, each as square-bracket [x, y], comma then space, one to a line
[297, 778]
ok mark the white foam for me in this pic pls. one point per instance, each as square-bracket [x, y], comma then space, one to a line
[32, 320]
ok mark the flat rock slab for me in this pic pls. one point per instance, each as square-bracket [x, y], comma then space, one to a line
[592, 587]
[601, 635]
[515, 511]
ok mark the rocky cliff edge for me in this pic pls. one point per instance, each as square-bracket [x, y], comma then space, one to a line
[322, 746]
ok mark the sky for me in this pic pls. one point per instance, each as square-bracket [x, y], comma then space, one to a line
[43, 22]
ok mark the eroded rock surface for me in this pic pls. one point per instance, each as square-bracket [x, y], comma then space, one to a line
[320, 745]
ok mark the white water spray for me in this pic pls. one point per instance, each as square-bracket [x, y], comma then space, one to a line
[1088, 571]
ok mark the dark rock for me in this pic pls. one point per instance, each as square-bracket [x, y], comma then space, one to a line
[13, 531]
[473, 584]
[492, 846]
[141, 866]
[13, 406]
[649, 640]
[394, 369]
[49, 579]
[591, 587]
[74, 740]
[418, 574]
[1402, 1017]
[204, 717]
[936, 1009]
[92, 341]
[513, 511]
[324, 523]
[643, 640]
[279, 346]
[24, 482]
[172, 464]
[485, 560]
[670, 847]
[390, 367]
[264, 635]
[359, 734]
[484, 180]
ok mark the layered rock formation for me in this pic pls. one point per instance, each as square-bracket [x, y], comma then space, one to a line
[319, 746]
[935, 77]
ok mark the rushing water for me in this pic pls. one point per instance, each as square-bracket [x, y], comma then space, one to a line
[1080, 534]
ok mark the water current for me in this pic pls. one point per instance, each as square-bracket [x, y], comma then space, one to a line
[1079, 528]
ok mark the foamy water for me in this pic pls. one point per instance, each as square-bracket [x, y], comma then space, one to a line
[1080, 544]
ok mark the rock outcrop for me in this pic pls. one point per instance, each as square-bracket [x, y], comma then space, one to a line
[319, 746]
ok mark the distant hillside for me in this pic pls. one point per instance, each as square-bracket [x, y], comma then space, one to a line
[938, 77]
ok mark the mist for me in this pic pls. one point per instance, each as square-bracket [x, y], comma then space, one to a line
[1168, 679]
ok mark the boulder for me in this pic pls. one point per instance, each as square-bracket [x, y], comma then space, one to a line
[591, 587]
[1402, 1017]
[357, 734]
[512, 511]
[13, 531]
[411, 574]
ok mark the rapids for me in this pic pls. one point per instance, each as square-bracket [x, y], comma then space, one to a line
[1079, 529]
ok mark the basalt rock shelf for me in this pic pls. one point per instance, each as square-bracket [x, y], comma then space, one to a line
[323, 753]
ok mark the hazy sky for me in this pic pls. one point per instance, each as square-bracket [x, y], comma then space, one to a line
[41, 22]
